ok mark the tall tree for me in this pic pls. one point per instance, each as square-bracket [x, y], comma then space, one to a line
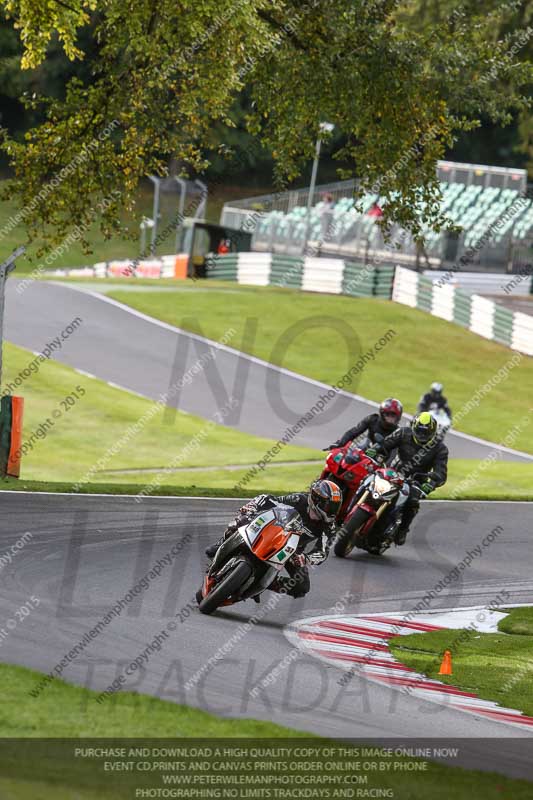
[165, 71]
[509, 29]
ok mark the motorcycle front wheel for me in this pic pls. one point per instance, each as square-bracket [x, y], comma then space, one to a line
[346, 536]
[228, 586]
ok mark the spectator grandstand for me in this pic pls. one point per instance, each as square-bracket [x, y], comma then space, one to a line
[490, 205]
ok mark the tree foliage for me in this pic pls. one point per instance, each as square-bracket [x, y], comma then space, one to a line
[163, 73]
[508, 30]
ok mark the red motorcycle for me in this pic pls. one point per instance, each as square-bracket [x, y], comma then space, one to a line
[347, 466]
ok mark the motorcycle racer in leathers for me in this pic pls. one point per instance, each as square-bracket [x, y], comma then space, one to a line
[317, 509]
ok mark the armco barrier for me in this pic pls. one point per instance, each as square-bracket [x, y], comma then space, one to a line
[358, 281]
[286, 271]
[160, 267]
[479, 314]
[223, 268]
[309, 273]
[512, 284]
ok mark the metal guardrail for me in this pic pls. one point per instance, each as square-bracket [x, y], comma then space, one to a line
[287, 200]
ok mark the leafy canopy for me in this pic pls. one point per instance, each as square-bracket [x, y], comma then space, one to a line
[164, 72]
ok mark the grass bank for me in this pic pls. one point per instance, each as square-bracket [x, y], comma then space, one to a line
[509, 482]
[467, 479]
[306, 333]
[496, 666]
[49, 772]
[107, 428]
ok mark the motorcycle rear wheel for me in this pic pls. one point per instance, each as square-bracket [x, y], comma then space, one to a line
[346, 536]
[228, 586]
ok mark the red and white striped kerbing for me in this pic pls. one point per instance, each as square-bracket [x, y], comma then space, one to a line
[360, 645]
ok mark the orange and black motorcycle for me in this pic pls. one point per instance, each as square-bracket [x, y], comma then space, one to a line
[249, 560]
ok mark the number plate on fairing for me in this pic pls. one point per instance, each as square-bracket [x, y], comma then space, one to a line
[286, 552]
[253, 530]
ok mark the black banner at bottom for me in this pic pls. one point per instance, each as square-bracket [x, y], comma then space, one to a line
[270, 769]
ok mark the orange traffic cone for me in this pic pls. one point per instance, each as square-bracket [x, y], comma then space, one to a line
[446, 666]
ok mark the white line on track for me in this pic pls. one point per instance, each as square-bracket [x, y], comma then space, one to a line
[214, 498]
[97, 494]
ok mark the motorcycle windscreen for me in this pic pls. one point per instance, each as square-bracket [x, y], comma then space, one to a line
[352, 456]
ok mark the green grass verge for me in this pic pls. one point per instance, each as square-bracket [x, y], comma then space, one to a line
[67, 711]
[486, 480]
[423, 349]
[274, 480]
[467, 480]
[71, 712]
[519, 622]
[513, 484]
[496, 666]
[164, 490]
[101, 418]
[64, 710]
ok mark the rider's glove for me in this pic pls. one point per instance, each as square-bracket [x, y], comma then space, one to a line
[330, 446]
[299, 559]
[316, 558]
[424, 488]
[375, 454]
[253, 505]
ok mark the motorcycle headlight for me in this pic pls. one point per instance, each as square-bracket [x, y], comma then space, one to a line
[381, 486]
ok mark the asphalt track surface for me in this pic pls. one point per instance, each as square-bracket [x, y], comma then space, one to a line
[87, 552]
[138, 353]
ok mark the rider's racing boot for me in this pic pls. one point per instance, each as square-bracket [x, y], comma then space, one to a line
[409, 513]
[400, 536]
[212, 549]
[281, 585]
